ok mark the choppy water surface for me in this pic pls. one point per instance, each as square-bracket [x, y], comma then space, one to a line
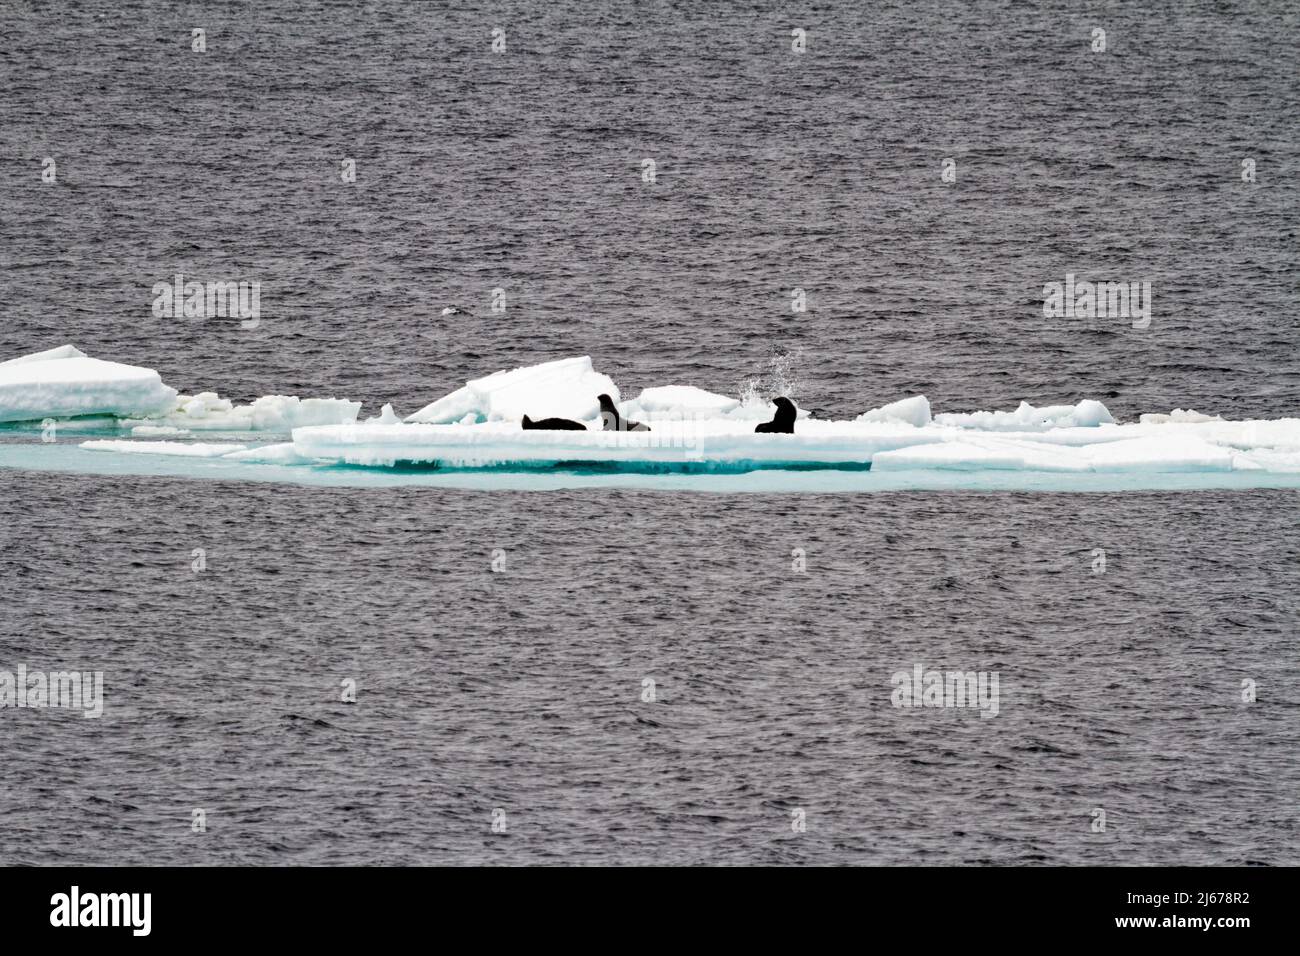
[521, 690]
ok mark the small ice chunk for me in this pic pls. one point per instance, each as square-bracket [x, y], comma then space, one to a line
[205, 404]
[1026, 417]
[284, 413]
[908, 411]
[1178, 416]
[386, 417]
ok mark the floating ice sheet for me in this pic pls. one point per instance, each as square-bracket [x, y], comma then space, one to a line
[696, 435]
[188, 449]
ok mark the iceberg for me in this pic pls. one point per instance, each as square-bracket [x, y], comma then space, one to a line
[64, 382]
[565, 388]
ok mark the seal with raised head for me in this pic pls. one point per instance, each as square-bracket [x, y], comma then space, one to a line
[612, 421]
[782, 422]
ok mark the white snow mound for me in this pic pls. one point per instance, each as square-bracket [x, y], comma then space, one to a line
[907, 411]
[565, 388]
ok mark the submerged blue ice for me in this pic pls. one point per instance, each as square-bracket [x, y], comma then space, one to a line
[70, 457]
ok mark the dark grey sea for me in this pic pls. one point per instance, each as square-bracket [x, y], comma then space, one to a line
[656, 677]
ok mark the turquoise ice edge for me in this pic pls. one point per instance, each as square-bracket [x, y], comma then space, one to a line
[30, 454]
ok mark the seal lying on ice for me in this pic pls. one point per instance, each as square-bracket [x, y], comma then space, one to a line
[554, 425]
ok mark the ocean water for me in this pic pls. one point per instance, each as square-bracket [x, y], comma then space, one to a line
[521, 690]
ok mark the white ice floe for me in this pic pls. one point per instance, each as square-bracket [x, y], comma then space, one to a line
[1209, 447]
[565, 388]
[909, 411]
[184, 449]
[477, 426]
[1178, 416]
[1086, 413]
[63, 382]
